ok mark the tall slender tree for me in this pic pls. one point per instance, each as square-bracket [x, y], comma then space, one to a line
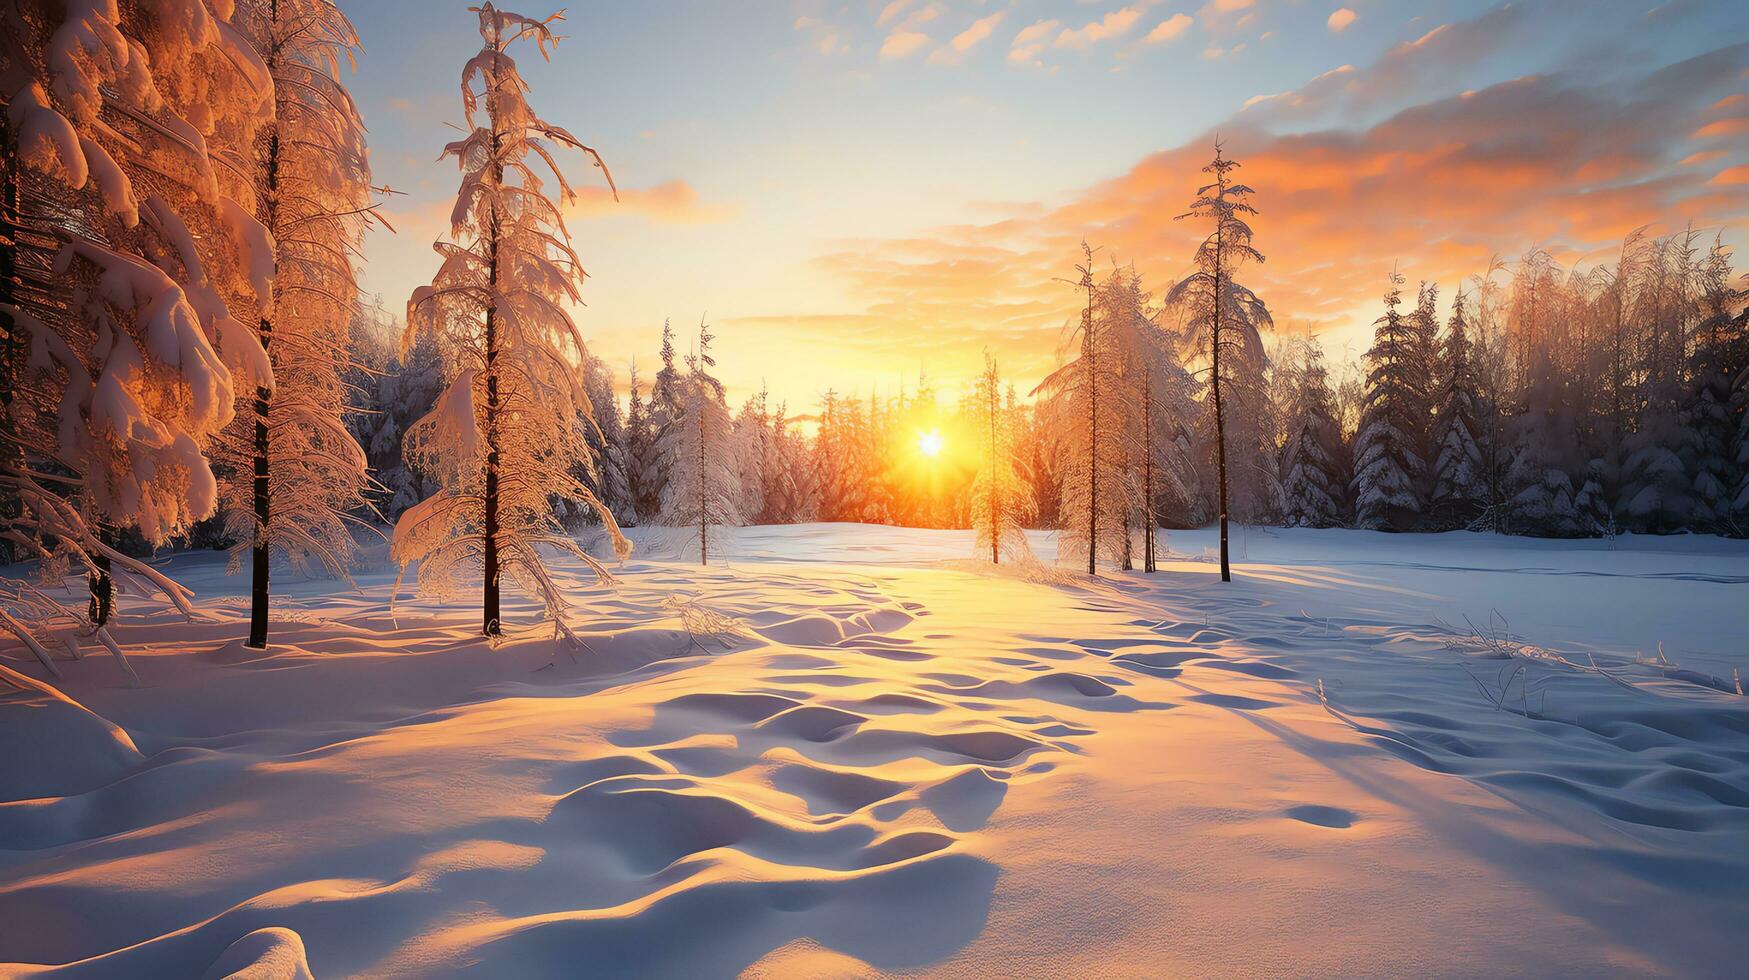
[296, 474]
[1086, 405]
[1223, 317]
[505, 436]
[1000, 505]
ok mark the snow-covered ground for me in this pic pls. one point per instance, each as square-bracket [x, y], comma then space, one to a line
[911, 764]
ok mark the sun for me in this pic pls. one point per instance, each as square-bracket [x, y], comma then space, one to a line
[929, 443]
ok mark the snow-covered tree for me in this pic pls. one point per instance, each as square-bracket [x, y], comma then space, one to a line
[1717, 369]
[125, 355]
[388, 392]
[1387, 465]
[1657, 495]
[701, 456]
[1458, 478]
[604, 469]
[1541, 497]
[1088, 407]
[1314, 464]
[295, 474]
[1224, 320]
[505, 436]
[1161, 397]
[1000, 505]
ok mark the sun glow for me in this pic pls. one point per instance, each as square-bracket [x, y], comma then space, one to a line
[929, 443]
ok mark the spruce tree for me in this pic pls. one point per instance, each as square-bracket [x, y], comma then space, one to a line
[1459, 490]
[1387, 466]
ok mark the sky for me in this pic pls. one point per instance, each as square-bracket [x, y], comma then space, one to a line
[856, 191]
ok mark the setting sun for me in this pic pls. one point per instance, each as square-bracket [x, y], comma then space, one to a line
[929, 443]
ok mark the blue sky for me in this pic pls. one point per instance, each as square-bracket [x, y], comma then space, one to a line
[850, 197]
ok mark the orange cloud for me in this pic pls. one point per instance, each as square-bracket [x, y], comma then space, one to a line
[672, 203]
[1439, 188]
[1168, 29]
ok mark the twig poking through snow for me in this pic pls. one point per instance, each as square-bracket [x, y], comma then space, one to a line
[700, 621]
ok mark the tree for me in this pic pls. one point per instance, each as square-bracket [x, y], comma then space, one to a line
[699, 453]
[122, 234]
[1087, 412]
[295, 474]
[1458, 477]
[1224, 318]
[1387, 466]
[1000, 505]
[1315, 487]
[505, 436]
[1541, 499]
[1717, 369]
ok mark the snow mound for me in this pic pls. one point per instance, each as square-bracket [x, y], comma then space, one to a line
[52, 747]
[265, 954]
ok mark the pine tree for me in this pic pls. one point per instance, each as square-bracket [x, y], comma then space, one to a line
[1718, 366]
[1459, 481]
[703, 491]
[1000, 507]
[1657, 495]
[1224, 320]
[638, 450]
[1541, 499]
[1089, 406]
[1315, 488]
[1387, 466]
[504, 437]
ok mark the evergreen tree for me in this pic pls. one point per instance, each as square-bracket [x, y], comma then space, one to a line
[1315, 488]
[1459, 480]
[1000, 507]
[1541, 499]
[1387, 467]
[703, 492]
[1717, 368]
[1223, 319]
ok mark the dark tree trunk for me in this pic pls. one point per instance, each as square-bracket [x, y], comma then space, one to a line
[1149, 521]
[102, 587]
[1220, 417]
[259, 557]
[493, 624]
[1090, 353]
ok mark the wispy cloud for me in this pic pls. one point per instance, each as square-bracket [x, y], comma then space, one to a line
[967, 39]
[1168, 29]
[1112, 25]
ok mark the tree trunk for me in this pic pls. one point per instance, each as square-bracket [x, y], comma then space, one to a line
[13, 352]
[1090, 353]
[1220, 417]
[1149, 523]
[704, 554]
[260, 555]
[493, 617]
[995, 488]
[102, 587]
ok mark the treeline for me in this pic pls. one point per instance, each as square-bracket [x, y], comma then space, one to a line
[1536, 400]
